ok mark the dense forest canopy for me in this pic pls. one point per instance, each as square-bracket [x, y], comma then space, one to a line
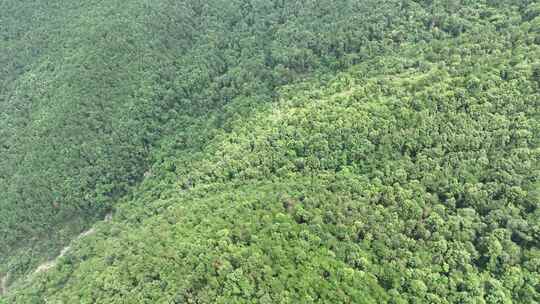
[250, 151]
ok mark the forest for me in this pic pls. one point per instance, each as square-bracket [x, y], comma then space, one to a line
[270, 151]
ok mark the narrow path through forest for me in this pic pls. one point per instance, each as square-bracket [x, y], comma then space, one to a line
[4, 279]
[50, 264]
[3, 283]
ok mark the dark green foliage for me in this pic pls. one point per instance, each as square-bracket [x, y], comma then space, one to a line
[273, 152]
[91, 87]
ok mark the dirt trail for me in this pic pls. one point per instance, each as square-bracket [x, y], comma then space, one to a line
[50, 264]
[4, 278]
[3, 284]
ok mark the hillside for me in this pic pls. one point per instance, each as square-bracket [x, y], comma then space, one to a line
[270, 151]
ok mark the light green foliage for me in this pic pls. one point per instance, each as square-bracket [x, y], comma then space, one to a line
[274, 152]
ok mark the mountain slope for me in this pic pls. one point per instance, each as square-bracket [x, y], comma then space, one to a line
[407, 186]
[92, 87]
[410, 177]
